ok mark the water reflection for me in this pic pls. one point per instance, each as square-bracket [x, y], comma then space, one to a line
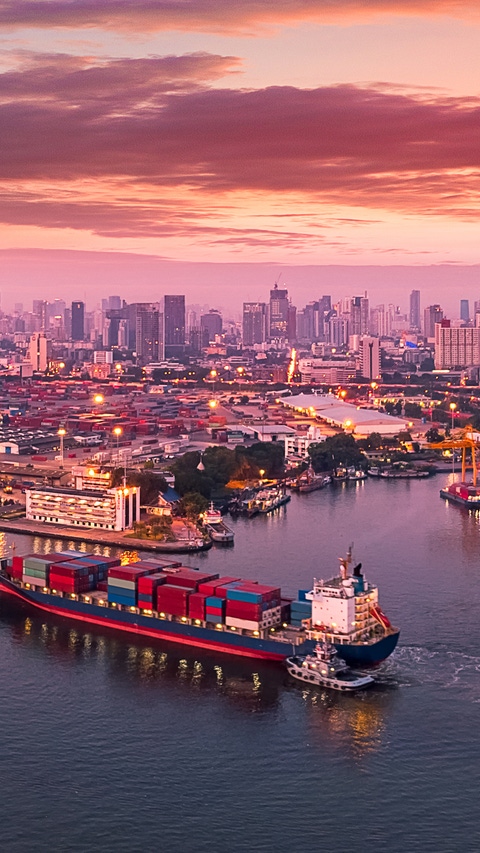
[355, 723]
[247, 684]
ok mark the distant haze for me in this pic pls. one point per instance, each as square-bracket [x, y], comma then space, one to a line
[48, 274]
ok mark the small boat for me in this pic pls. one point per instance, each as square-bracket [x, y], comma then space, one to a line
[216, 527]
[268, 500]
[311, 482]
[356, 475]
[324, 668]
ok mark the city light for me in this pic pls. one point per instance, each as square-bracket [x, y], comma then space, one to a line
[213, 404]
[98, 399]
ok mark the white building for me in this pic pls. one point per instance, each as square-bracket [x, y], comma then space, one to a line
[369, 349]
[326, 372]
[456, 347]
[39, 352]
[297, 445]
[111, 509]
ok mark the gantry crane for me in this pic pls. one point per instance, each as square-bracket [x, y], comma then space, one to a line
[467, 445]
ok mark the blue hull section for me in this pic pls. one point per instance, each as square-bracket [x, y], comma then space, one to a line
[363, 655]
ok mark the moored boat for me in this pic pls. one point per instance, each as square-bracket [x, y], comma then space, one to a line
[324, 668]
[465, 494]
[216, 527]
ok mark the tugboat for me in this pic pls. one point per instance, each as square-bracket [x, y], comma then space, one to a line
[216, 527]
[324, 668]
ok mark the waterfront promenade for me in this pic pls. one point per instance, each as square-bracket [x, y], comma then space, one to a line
[114, 538]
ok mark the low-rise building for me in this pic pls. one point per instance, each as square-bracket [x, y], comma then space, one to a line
[111, 509]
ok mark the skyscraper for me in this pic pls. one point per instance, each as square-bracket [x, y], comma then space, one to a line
[456, 347]
[78, 321]
[464, 310]
[174, 315]
[211, 324]
[359, 315]
[254, 323]
[148, 334]
[278, 315]
[433, 314]
[370, 357]
[415, 309]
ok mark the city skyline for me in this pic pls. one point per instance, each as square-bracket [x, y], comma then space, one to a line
[167, 144]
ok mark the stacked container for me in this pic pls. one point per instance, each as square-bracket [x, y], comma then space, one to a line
[190, 578]
[215, 609]
[69, 577]
[216, 587]
[123, 582]
[147, 589]
[173, 599]
[36, 569]
[252, 607]
[197, 606]
[301, 609]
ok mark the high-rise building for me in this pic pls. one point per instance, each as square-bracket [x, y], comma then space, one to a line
[456, 347]
[39, 352]
[254, 323]
[40, 307]
[211, 324]
[370, 357]
[464, 310]
[338, 331]
[415, 310]
[78, 321]
[147, 334]
[359, 315]
[278, 313]
[174, 320]
[432, 315]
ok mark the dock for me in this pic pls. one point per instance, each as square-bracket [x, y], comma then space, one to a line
[114, 538]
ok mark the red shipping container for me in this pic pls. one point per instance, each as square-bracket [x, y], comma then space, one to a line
[15, 571]
[17, 563]
[128, 573]
[244, 610]
[66, 571]
[147, 583]
[215, 587]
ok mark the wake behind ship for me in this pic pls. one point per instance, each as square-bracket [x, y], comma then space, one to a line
[164, 600]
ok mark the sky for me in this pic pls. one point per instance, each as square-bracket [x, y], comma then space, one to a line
[213, 148]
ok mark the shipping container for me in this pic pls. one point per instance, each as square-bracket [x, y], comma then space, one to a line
[216, 587]
[245, 624]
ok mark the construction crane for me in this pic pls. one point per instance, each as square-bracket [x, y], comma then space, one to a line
[467, 445]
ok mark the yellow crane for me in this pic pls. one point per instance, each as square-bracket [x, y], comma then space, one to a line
[467, 445]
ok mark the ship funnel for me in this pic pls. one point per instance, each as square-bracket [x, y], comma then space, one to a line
[357, 572]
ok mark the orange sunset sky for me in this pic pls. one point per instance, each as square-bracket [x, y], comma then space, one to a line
[206, 147]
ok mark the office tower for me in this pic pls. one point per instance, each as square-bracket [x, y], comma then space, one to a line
[278, 313]
[147, 334]
[464, 310]
[39, 352]
[292, 324]
[378, 321]
[359, 315]
[174, 325]
[433, 314]
[78, 321]
[456, 347]
[370, 357]
[415, 310]
[254, 323]
[40, 310]
[338, 329]
[18, 308]
[211, 324]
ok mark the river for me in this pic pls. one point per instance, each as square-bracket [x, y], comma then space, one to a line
[110, 744]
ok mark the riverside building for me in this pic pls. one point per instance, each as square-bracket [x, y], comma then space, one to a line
[111, 509]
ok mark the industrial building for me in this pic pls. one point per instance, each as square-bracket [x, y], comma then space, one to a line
[110, 509]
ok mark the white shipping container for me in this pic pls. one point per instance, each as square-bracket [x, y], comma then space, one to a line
[246, 624]
[121, 584]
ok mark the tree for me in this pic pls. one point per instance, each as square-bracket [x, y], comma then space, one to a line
[413, 410]
[192, 505]
[335, 452]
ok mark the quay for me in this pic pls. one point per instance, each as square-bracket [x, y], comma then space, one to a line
[23, 526]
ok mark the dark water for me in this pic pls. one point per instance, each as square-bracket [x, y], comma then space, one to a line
[114, 745]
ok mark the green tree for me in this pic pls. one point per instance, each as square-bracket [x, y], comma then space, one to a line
[192, 505]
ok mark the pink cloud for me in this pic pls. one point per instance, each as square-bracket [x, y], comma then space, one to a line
[144, 147]
[214, 15]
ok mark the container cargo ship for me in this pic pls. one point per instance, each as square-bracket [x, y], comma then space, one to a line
[164, 600]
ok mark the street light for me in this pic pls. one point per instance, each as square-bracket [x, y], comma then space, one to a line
[62, 433]
[453, 406]
[98, 399]
[213, 404]
[262, 474]
[118, 431]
